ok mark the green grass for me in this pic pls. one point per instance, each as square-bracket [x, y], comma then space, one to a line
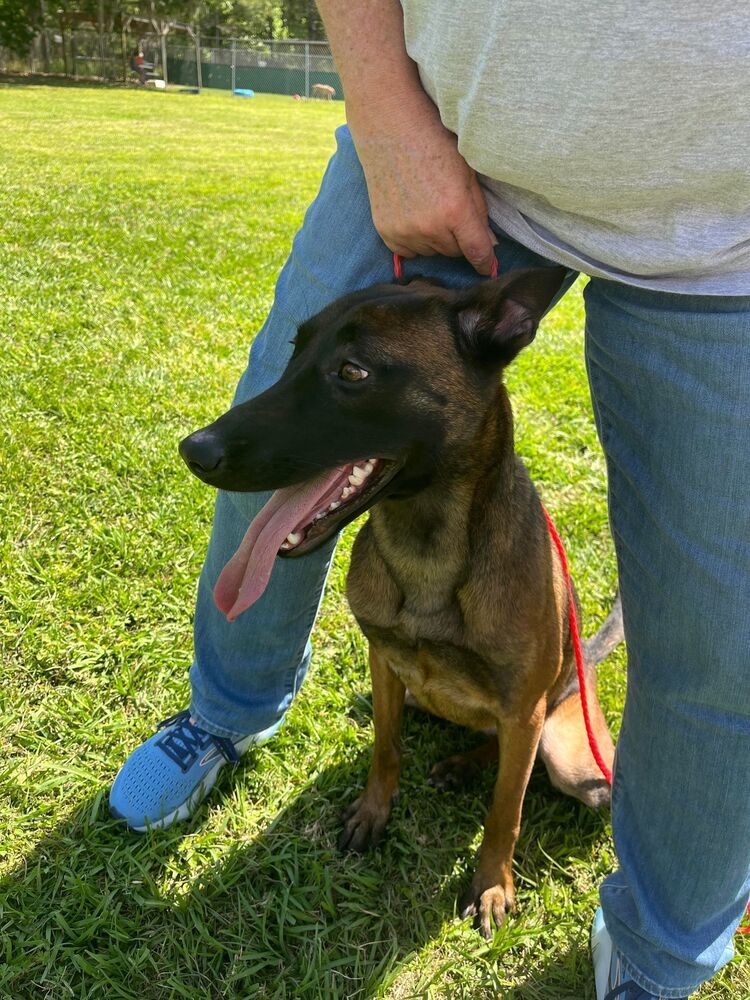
[142, 234]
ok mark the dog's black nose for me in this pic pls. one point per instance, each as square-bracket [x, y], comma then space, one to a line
[203, 452]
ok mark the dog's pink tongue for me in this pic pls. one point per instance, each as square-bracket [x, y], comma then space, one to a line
[246, 575]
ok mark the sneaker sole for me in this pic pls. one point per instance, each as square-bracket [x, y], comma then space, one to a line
[601, 954]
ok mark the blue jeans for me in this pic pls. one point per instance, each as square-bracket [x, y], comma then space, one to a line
[670, 381]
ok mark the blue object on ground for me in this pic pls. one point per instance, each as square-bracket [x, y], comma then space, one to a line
[244, 93]
[166, 778]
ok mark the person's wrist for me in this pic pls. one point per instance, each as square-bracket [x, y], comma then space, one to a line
[391, 116]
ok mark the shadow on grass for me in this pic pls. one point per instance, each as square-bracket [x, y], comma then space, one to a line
[58, 80]
[210, 910]
[566, 976]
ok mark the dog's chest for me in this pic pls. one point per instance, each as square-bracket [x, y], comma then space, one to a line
[450, 681]
[419, 630]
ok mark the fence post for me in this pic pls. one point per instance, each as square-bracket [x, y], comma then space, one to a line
[64, 48]
[163, 53]
[45, 49]
[100, 33]
[307, 69]
[74, 53]
[234, 64]
[199, 76]
[44, 36]
[124, 54]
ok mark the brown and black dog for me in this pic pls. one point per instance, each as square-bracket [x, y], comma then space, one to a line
[393, 400]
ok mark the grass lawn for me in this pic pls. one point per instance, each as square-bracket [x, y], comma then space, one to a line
[142, 236]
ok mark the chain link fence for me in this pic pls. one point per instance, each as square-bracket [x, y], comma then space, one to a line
[84, 54]
[266, 66]
[45, 56]
[271, 66]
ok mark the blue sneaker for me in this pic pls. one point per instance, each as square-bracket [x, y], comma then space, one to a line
[169, 775]
[609, 975]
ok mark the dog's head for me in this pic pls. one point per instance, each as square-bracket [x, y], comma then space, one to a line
[385, 387]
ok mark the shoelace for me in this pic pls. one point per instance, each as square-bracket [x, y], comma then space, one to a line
[183, 741]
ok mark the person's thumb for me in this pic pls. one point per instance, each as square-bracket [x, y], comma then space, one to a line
[476, 241]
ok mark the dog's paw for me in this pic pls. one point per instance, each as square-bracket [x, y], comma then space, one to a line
[486, 904]
[453, 773]
[364, 824]
[596, 794]
[592, 790]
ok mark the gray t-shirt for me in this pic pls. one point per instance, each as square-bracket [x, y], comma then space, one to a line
[610, 136]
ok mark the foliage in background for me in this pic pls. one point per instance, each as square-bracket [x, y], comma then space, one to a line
[19, 22]
[216, 19]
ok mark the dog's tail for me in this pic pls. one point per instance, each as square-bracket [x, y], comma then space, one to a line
[608, 638]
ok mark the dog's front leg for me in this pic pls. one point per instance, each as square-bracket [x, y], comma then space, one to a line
[365, 819]
[491, 894]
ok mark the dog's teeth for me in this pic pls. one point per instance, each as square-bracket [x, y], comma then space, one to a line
[347, 491]
[294, 538]
[357, 478]
[369, 467]
[335, 505]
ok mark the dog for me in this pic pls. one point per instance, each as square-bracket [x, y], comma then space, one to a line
[393, 402]
[323, 92]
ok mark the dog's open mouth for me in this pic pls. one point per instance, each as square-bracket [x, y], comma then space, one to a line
[294, 521]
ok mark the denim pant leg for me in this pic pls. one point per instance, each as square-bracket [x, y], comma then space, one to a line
[246, 673]
[670, 379]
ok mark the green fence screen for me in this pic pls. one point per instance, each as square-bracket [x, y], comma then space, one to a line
[264, 80]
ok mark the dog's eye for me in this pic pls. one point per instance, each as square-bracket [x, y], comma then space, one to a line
[351, 372]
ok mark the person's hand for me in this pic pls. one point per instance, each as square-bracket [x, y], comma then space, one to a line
[425, 198]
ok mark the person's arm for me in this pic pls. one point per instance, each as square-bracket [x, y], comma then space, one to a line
[425, 198]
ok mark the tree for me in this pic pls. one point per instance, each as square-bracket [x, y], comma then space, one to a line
[21, 19]
[301, 19]
[18, 24]
[240, 17]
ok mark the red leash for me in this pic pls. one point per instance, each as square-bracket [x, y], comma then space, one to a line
[577, 648]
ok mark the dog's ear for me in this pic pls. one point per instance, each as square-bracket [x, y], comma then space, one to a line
[496, 319]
